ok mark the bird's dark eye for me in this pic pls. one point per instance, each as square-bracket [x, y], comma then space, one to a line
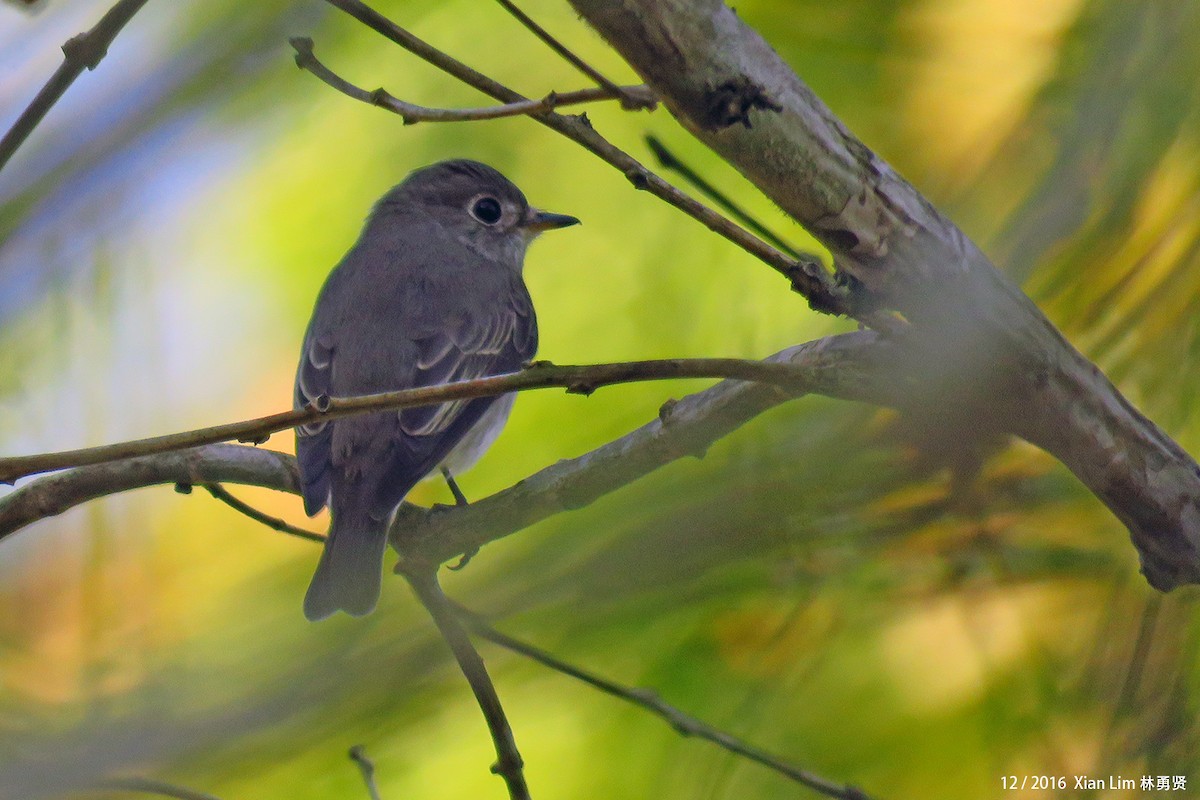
[486, 210]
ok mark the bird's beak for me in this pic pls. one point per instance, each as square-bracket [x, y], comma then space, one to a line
[539, 221]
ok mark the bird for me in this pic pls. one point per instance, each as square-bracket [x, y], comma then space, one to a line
[431, 292]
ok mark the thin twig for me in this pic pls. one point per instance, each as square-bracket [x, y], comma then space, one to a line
[274, 523]
[682, 722]
[148, 786]
[358, 755]
[540, 375]
[668, 160]
[411, 114]
[84, 51]
[422, 576]
[628, 101]
[809, 278]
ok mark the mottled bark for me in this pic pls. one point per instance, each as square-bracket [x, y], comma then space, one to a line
[981, 347]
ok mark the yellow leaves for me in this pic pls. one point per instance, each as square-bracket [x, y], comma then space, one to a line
[942, 652]
[978, 63]
[765, 638]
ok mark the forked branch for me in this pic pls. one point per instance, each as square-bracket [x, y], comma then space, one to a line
[807, 277]
[422, 577]
[411, 114]
[680, 721]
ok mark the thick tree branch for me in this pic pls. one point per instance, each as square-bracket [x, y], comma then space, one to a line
[81, 52]
[216, 463]
[846, 366]
[990, 359]
[539, 375]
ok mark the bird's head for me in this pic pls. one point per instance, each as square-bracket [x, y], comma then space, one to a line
[479, 206]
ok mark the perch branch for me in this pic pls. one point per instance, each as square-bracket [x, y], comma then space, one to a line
[846, 366]
[681, 722]
[539, 375]
[809, 278]
[857, 364]
[84, 51]
[422, 577]
[412, 114]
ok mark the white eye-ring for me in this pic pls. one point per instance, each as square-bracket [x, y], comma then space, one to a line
[487, 210]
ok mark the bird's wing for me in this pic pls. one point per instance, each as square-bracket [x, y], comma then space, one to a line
[380, 457]
[462, 348]
[314, 380]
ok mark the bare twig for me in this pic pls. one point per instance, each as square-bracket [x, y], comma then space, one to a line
[412, 114]
[540, 375]
[358, 755]
[809, 278]
[422, 577]
[84, 51]
[629, 101]
[274, 523]
[668, 160]
[682, 722]
[148, 786]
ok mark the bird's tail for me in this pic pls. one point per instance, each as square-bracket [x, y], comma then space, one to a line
[348, 576]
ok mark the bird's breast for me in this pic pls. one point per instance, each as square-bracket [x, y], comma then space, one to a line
[480, 437]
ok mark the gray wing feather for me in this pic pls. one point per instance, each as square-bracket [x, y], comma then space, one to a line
[466, 350]
[313, 380]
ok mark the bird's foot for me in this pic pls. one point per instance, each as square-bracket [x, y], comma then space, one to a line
[463, 560]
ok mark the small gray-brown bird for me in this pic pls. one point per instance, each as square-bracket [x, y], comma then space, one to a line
[431, 292]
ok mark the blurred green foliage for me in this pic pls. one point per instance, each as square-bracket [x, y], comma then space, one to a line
[814, 585]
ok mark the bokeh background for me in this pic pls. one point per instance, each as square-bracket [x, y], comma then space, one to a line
[819, 584]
